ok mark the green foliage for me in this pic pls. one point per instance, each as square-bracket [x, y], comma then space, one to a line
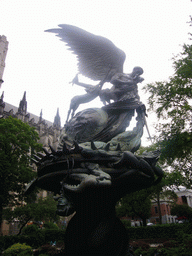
[182, 211]
[48, 249]
[126, 223]
[175, 247]
[139, 244]
[53, 235]
[35, 240]
[30, 230]
[17, 141]
[43, 210]
[136, 204]
[158, 231]
[180, 243]
[171, 100]
[178, 251]
[18, 249]
[50, 225]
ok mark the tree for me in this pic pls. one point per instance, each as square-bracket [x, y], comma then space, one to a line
[43, 210]
[164, 190]
[137, 204]
[182, 211]
[17, 142]
[160, 192]
[171, 100]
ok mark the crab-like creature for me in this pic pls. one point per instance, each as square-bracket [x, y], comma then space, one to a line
[89, 181]
[84, 167]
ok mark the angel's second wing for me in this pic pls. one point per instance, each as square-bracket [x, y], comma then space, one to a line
[97, 56]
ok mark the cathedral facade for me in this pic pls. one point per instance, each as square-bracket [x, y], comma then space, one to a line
[49, 133]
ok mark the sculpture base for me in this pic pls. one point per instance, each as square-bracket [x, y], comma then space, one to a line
[89, 237]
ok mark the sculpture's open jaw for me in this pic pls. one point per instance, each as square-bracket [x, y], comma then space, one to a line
[78, 182]
[72, 182]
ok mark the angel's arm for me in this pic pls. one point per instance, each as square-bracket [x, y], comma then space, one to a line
[86, 86]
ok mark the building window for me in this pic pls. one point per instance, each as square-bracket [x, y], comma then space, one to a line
[156, 209]
[184, 199]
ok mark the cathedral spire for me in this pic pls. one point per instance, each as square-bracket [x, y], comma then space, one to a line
[3, 52]
[2, 104]
[41, 116]
[57, 120]
[23, 105]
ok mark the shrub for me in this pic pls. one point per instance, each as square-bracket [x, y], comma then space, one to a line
[187, 227]
[9, 240]
[126, 223]
[50, 225]
[170, 244]
[159, 231]
[140, 244]
[53, 235]
[18, 249]
[29, 230]
[34, 240]
[48, 249]
[187, 241]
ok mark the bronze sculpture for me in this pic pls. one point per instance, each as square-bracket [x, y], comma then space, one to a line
[95, 164]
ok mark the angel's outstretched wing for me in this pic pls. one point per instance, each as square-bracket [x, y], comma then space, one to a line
[98, 57]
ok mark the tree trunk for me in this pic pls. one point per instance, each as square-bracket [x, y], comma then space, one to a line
[1, 218]
[144, 222]
[23, 226]
[140, 216]
[159, 207]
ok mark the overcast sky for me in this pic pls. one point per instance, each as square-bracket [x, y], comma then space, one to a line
[150, 32]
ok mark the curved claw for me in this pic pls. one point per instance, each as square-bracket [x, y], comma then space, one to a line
[52, 150]
[77, 148]
[46, 152]
[118, 148]
[37, 158]
[107, 147]
[41, 154]
[65, 150]
[128, 159]
[93, 146]
[158, 171]
[35, 161]
[146, 168]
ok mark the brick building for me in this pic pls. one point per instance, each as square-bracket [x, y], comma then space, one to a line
[184, 197]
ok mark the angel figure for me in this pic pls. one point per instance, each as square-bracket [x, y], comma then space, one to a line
[100, 60]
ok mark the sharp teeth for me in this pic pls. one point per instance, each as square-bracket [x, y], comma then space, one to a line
[69, 186]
